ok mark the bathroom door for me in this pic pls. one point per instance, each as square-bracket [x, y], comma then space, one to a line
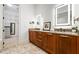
[10, 25]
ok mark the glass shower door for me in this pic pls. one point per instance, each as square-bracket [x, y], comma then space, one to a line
[10, 25]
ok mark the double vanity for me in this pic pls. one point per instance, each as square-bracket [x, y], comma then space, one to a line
[55, 42]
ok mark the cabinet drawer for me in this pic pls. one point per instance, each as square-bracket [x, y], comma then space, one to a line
[39, 33]
[67, 36]
[39, 43]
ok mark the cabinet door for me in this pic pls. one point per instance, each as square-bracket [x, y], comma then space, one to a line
[32, 36]
[44, 40]
[77, 45]
[51, 43]
[66, 44]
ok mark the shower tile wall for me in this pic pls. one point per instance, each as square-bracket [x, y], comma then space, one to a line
[10, 16]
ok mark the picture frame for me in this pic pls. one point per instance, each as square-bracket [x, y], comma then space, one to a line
[47, 26]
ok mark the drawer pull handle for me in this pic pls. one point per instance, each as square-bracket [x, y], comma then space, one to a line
[64, 36]
[50, 34]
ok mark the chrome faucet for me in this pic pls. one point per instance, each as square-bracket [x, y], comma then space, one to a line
[75, 28]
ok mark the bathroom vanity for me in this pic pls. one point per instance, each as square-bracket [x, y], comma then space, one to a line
[55, 42]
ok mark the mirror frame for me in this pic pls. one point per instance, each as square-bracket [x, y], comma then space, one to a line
[68, 16]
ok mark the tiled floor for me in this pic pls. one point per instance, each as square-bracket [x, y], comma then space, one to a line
[23, 49]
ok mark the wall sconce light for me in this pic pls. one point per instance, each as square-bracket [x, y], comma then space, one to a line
[31, 22]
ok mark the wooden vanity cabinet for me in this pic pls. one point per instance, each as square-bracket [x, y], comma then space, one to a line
[55, 43]
[66, 44]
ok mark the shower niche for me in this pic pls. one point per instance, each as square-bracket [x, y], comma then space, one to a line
[12, 28]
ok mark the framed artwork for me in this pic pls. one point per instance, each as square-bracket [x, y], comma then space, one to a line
[47, 26]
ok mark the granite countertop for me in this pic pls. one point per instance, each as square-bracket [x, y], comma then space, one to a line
[68, 33]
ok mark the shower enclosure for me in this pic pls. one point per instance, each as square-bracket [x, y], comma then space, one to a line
[10, 25]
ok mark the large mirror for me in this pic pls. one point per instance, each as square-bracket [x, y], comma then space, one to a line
[63, 16]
